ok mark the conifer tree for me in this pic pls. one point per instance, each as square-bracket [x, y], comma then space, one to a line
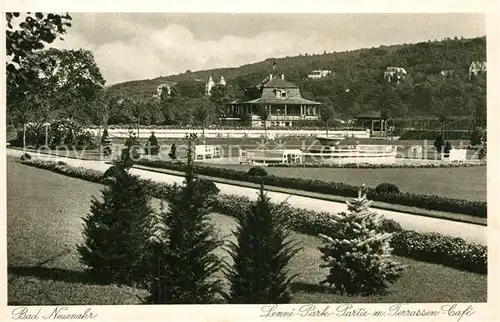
[117, 232]
[184, 264]
[261, 255]
[357, 251]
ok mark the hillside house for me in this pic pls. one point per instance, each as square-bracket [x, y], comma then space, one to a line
[316, 74]
[477, 68]
[164, 87]
[395, 74]
[282, 100]
[211, 83]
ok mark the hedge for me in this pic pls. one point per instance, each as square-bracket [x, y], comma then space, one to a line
[430, 202]
[431, 135]
[428, 247]
[459, 164]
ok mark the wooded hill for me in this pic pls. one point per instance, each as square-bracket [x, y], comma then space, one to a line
[357, 83]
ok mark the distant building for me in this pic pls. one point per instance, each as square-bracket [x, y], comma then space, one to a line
[211, 84]
[282, 100]
[395, 74]
[447, 73]
[163, 87]
[316, 74]
[477, 68]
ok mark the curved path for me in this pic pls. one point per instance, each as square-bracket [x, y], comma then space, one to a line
[472, 232]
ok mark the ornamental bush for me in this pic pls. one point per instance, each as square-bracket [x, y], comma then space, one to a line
[357, 252]
[386, 187]
[261, 254]
[257, 171]
[25, 157]
[117, 232]
[184, 264]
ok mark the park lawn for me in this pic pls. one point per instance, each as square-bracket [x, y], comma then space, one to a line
[44, 226]
[462, 182]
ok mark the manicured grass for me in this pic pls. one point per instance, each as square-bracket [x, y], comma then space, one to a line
[44, 226]
[462, 183]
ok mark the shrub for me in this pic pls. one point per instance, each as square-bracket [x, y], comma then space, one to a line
[106, 143]
[257, 171]
[25, 156]
[261, 255]
[390, 226]
[152, 147]
[482, 151]
[386, 187]
[457, 164]
[357, 252]
[436, 248]
[477, 136]
[117, 233]
[439, 143]
[114, 171]
[184, 261]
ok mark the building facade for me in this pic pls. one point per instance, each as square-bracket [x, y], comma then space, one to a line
[477, 68]
[316, 74]
[211, 83]
[395, 74]
[282, 100]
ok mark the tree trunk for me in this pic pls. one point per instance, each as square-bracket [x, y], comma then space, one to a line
[24, 135]
[46, 135]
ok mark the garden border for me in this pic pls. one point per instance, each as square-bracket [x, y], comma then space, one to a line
[429, 202]
[428, 247]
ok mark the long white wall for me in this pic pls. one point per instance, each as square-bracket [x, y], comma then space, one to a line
[244, 133]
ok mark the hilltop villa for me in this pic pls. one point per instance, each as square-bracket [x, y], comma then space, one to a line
[282, 99]
[211, 84]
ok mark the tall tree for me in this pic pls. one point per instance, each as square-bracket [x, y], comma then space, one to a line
[184, 263]
[117, 232]
[24, 35]
[261, 255]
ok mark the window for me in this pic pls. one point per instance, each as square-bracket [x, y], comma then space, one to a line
[280, 93]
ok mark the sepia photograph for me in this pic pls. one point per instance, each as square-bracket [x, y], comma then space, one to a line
[246, 158]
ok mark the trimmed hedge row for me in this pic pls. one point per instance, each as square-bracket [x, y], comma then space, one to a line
[460, 164]
[430, 202]
[428, 247]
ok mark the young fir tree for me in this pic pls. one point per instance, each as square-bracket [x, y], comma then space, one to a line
[357, 251]
[117, 232]
[184, 262]
[261, 255]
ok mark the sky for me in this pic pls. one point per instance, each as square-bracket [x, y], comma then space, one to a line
[134, 46]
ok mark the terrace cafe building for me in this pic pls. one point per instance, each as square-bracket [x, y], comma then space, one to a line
[285, 106]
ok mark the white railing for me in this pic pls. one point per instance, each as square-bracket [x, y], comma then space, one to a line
[243, 133]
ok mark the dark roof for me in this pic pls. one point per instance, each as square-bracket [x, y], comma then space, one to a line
[281, 101]
[275, 82]
[369, 115]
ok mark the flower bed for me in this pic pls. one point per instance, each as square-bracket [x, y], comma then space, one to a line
[430, 202]
[429, 247]
[383, 166]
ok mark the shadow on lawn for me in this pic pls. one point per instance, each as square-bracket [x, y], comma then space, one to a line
[310, 288]
[51, 273]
